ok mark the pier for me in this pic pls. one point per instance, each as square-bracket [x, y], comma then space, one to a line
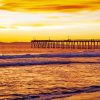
[66, 44]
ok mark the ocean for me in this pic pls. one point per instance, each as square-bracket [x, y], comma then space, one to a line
[57, 76]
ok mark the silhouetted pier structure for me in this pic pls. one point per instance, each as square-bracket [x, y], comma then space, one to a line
[68, 44]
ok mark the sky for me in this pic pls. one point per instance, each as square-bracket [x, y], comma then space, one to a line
[24, 20]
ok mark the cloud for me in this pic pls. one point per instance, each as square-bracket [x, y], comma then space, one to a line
[49, 5]
[94, 2]
[13, 19]
[59, 7]
[47, 23]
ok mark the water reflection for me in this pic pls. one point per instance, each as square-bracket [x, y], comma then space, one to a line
[50, 81]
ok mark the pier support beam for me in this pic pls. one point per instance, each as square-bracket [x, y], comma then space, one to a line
[66, 44]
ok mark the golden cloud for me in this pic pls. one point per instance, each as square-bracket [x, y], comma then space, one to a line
[49, 5]
[58, 7]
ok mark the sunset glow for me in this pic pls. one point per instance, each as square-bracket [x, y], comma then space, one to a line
[23, 20]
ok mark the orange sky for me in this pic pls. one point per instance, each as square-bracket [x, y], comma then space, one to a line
[23, 20]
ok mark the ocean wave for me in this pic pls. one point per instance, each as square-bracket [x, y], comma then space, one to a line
[43, 63]
[50, 55]
[56, 92]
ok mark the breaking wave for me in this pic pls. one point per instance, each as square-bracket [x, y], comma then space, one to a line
[57, 92]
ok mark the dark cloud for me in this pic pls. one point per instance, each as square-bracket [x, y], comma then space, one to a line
[71, 7]
[59, 7]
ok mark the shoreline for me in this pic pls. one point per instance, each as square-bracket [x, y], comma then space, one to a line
[50, 54]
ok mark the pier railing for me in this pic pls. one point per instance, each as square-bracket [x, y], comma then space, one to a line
[68, 44]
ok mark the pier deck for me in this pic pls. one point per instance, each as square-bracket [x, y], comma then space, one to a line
[68, 44]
